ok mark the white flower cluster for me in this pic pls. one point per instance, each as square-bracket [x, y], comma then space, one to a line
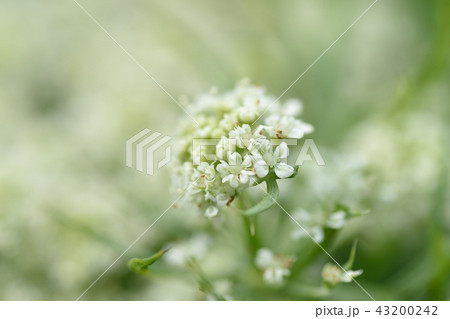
[238, 153]
[274, 268]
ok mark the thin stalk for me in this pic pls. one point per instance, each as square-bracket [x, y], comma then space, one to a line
[314, 250]
[249, 222]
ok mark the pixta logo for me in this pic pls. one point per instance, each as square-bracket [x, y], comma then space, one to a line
[141, 150]
[205, 148]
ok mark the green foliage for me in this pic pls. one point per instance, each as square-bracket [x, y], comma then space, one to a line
[141, 265]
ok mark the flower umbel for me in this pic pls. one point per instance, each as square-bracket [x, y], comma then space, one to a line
[239, 153]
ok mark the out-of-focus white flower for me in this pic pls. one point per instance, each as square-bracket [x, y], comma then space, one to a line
[333, 275]
[274, 268]
[312, 226]
[180, 252]
[274, 275]
[316, 232]
[337, 220]
[287, 127]
[211, 211]
[292, 107]
[242, 152]
[264, 258]
[350, 274]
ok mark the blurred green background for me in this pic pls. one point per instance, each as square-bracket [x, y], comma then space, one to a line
[70, 98]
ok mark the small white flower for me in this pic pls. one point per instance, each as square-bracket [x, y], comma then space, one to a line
[203, 176]
[241, 135]
[274, 275]
[287, 127]
[179, 252]
[261, 167]
[274, 268]
[311, 224]
[221, 199]
[264, 258]
[266, 158]
[331, 274]
[211, 211]
[236, 171]
[292, 107]
[316, 232]
[224, 147]
[248, 114]
[350, 274]
[337, 220]
[228, 122]
[334, 275]
[283, 170]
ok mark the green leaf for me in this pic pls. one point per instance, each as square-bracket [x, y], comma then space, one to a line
[141, 265]
[268, 200]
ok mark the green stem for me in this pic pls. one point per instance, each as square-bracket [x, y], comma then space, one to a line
[313, 251]
[250, 229]
[252, 240]
[203, 282]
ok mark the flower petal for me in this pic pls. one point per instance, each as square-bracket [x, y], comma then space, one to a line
[222, 199]
[232, 179]
[235, 159]
[211, 211]
[261, 168]
[282, 151]
[283, 170]
[337, 220]
[350, 274]
[243, 177]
